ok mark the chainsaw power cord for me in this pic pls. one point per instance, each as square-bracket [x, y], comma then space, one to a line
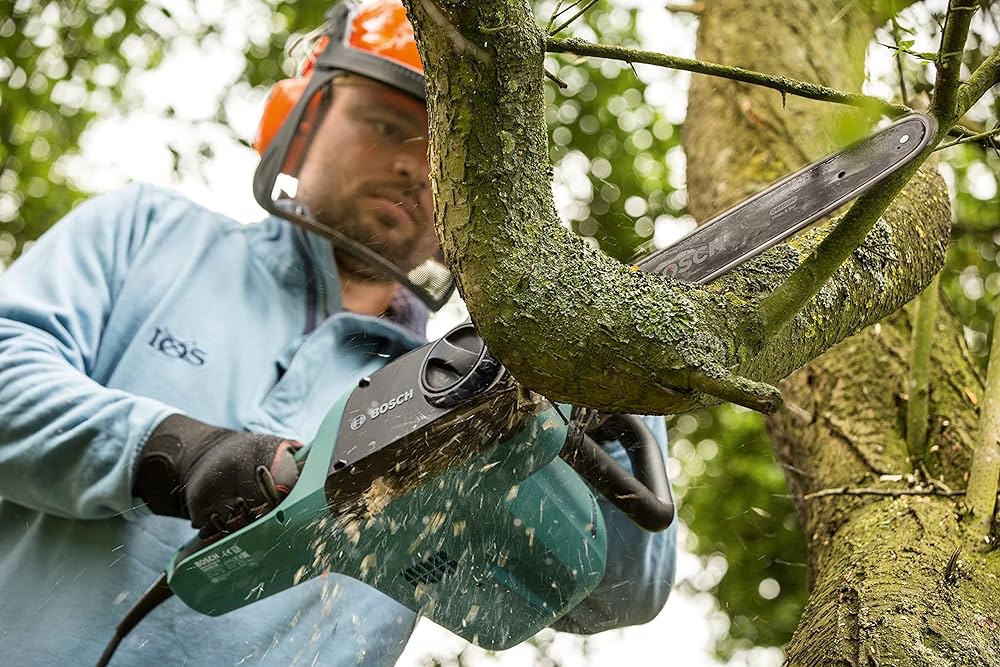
[149, 601]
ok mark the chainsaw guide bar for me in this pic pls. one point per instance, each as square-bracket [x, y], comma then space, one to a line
[772, 215]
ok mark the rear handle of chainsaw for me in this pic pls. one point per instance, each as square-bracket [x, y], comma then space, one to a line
[644, 497]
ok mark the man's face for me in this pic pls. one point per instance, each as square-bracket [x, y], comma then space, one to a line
[366, 172]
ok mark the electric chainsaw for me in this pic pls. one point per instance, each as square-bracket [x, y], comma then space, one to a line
[441, 482]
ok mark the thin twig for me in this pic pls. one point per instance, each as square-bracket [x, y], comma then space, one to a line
[985, 137]
[874, 491]
[573, 18]
[559, 82]
[555, 14]
[899, 63]
[779, 83]
[936, 483]
[929, 57]
[920, 371]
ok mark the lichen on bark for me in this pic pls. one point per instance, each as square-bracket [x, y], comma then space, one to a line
[602, 334]
[880, 591]
[579, 327]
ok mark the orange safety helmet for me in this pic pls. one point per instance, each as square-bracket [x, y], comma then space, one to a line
[372, 38]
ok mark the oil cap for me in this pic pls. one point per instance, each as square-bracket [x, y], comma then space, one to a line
[458, 367]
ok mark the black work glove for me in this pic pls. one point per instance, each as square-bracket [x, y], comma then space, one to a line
[219, 479]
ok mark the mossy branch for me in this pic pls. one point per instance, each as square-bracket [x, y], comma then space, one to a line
[782, 84]
[779, 307]
[985, 139]
[574, 324]
[918, 390]
[949, 103]
[984, 473]
[949, 59]
[985, 77]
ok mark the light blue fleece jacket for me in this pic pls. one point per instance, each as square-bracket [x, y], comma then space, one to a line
[138, 305]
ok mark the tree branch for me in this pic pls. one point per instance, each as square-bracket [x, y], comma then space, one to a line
[947, 106]
[949, 60]
[556, 13]
[603, 335]
[779, 307]
[780, 83]
[570, 20]
[985, 139]
[920, 372]
[875, 491]
[985, 77]
[984, 473]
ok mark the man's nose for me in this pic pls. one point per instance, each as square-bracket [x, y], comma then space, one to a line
[411, 162]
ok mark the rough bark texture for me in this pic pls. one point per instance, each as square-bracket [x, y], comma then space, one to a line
[882, 589]
[577, 326]
[603, 334]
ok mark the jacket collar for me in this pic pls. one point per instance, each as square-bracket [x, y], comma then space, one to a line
[300, 257]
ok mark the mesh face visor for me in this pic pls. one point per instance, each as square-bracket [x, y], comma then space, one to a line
[347, 52]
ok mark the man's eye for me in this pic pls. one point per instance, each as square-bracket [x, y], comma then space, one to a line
[387, 130]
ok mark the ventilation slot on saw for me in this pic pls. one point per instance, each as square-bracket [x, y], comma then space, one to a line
[431, 570]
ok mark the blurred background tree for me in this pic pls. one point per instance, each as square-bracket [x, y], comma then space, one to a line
[61, 64]
[619, 181]
[65, 64]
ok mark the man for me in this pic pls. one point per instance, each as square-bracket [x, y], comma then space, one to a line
[160, 364]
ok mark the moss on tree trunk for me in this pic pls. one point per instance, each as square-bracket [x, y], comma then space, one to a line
[579, 327]
[887, 585]
[600, 333]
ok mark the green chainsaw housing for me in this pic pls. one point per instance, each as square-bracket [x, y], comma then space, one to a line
[494, 549]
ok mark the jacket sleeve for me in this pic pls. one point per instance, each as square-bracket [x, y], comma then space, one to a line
[640, 565]
[67, 443]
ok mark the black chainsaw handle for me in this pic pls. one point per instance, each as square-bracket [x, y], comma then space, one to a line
[644, 498]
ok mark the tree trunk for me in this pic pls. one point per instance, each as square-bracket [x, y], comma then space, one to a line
[579, 327]
[885, 587]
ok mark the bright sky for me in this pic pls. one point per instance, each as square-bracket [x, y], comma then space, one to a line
[134, 147]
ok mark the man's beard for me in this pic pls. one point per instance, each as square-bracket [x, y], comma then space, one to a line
[402, 252]
[359, 269]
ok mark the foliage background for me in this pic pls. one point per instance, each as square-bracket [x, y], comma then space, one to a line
[619, 181]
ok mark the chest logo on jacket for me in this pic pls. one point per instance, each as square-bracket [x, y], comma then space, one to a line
[166, 343]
